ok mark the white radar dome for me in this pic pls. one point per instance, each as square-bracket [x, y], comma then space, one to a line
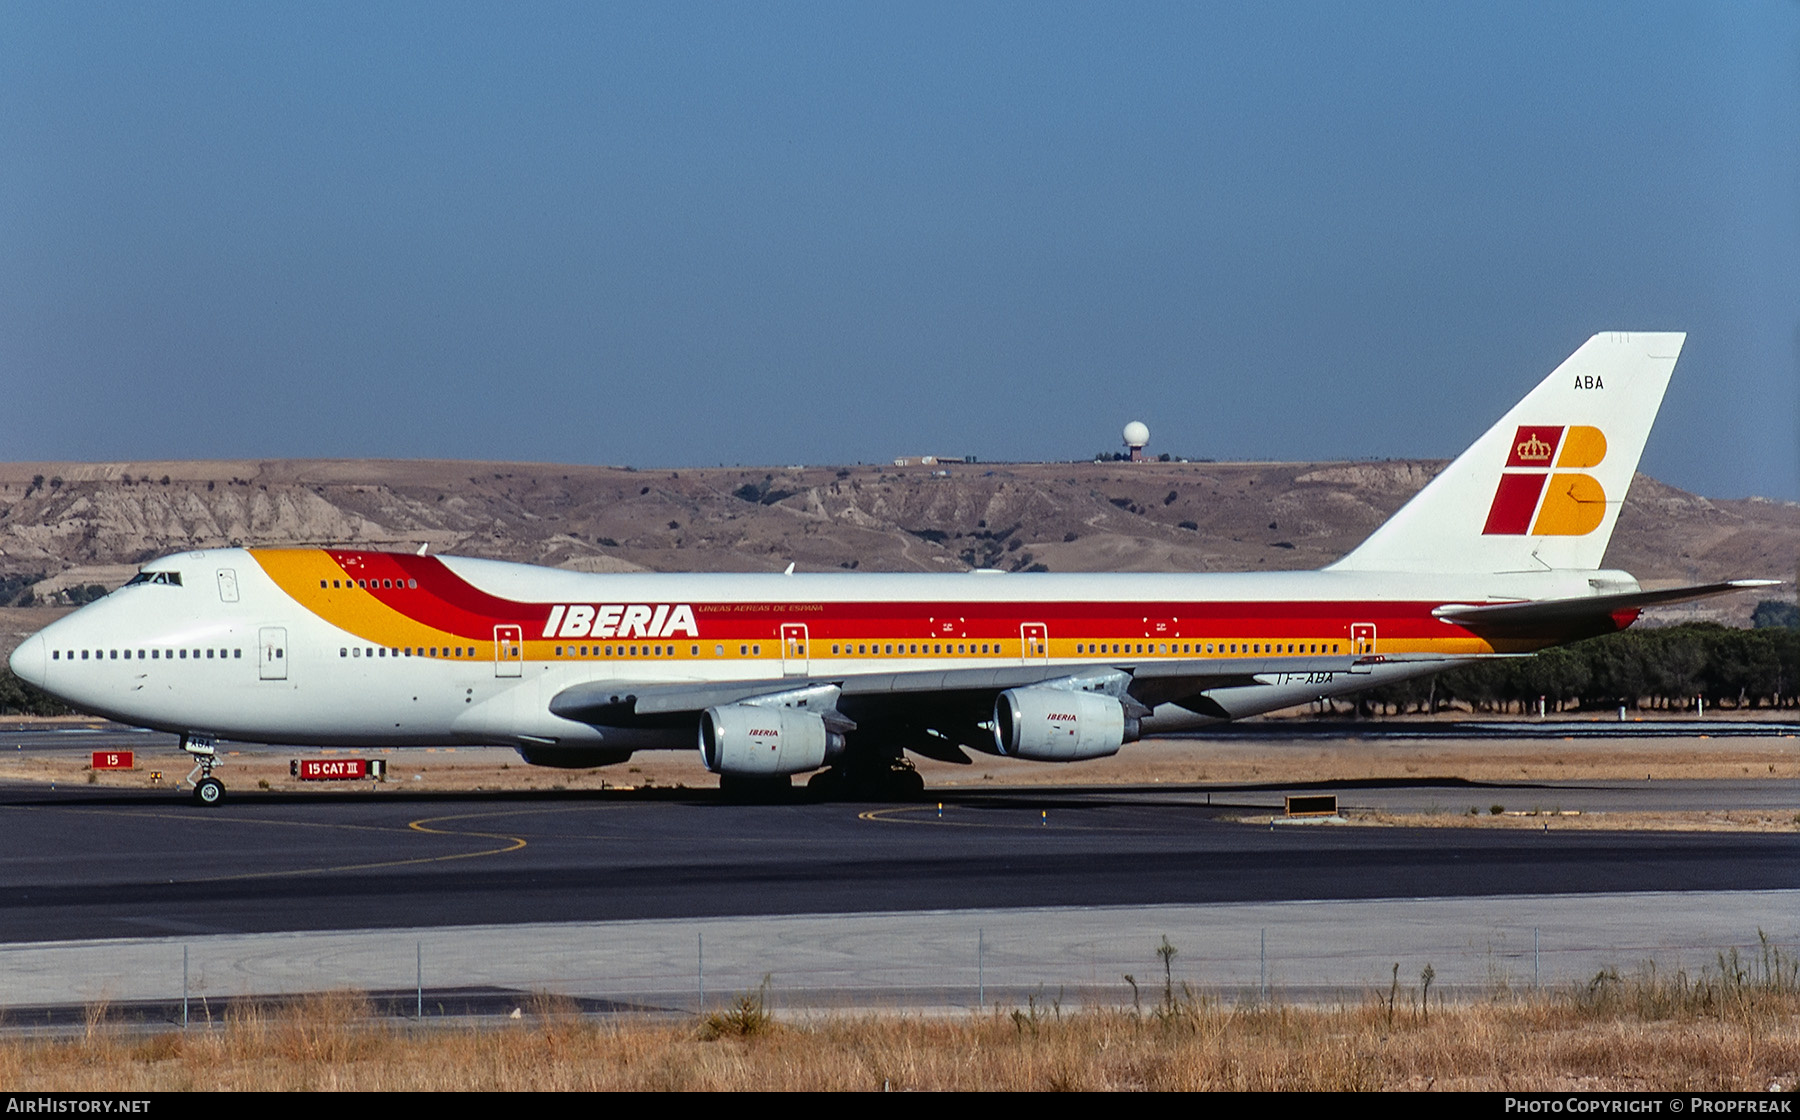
[1136, 434]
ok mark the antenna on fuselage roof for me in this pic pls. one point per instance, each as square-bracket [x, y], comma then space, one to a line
[422, 548]
[790, 569]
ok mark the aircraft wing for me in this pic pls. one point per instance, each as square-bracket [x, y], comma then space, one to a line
[626, 703]
[1583, 613]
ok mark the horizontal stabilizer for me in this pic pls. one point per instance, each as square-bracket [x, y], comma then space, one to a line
[1555, 612]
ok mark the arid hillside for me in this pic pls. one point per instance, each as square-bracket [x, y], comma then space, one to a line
[65, 527]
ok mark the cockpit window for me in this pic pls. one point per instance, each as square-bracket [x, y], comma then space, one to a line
[171, 578]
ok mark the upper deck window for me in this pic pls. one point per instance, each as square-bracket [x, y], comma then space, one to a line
[173, 579]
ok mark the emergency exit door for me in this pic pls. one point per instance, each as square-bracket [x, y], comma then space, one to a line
[271, 660]
[1034, 643]
[794, 658]
[509, 651]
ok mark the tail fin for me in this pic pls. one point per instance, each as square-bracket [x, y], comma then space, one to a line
[1542, 489]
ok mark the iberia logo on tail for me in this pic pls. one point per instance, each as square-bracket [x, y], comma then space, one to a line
[1542, 477]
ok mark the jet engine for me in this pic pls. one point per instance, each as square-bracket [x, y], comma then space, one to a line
[1058, 725]
[755, 741]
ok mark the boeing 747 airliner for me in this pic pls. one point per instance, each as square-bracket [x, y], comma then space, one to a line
[768, 676]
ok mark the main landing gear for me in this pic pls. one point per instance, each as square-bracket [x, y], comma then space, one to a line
[868, 779]
[736, 789]
[208, 790]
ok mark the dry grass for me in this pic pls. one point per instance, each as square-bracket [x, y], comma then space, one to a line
[1534, 820]
[1670, 820]
[1734, 1028]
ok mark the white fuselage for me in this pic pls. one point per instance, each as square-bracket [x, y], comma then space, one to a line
[228, 652]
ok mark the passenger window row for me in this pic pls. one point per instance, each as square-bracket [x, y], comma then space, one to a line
[406, 651]
[1207, 647]
[861, 649]
[907, 649]
[371, 584]
[141, 655]
[911, 649]
[622, 651]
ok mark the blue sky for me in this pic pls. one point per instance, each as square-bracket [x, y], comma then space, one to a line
[668, 234]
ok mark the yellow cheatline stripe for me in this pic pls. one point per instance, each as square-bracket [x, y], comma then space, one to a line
[359, 612]
[354, 610]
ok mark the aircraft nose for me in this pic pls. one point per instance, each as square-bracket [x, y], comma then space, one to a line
[30, 662]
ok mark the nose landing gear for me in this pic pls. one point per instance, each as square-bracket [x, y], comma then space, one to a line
[208, 790]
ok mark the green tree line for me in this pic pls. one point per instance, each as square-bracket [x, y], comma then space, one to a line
[1666, 668]
[18, 698]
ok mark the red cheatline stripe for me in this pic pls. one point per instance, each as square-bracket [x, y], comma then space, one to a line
[446, 602]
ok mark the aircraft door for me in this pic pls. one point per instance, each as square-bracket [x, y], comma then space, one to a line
[1034, 644]
[272, 659]
[509, 651]
[1362, 638]
[794, 660]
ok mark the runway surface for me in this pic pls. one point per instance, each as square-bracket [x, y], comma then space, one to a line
[81, 864]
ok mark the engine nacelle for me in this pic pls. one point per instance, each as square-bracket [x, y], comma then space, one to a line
[1057, 725]
[752, 741]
